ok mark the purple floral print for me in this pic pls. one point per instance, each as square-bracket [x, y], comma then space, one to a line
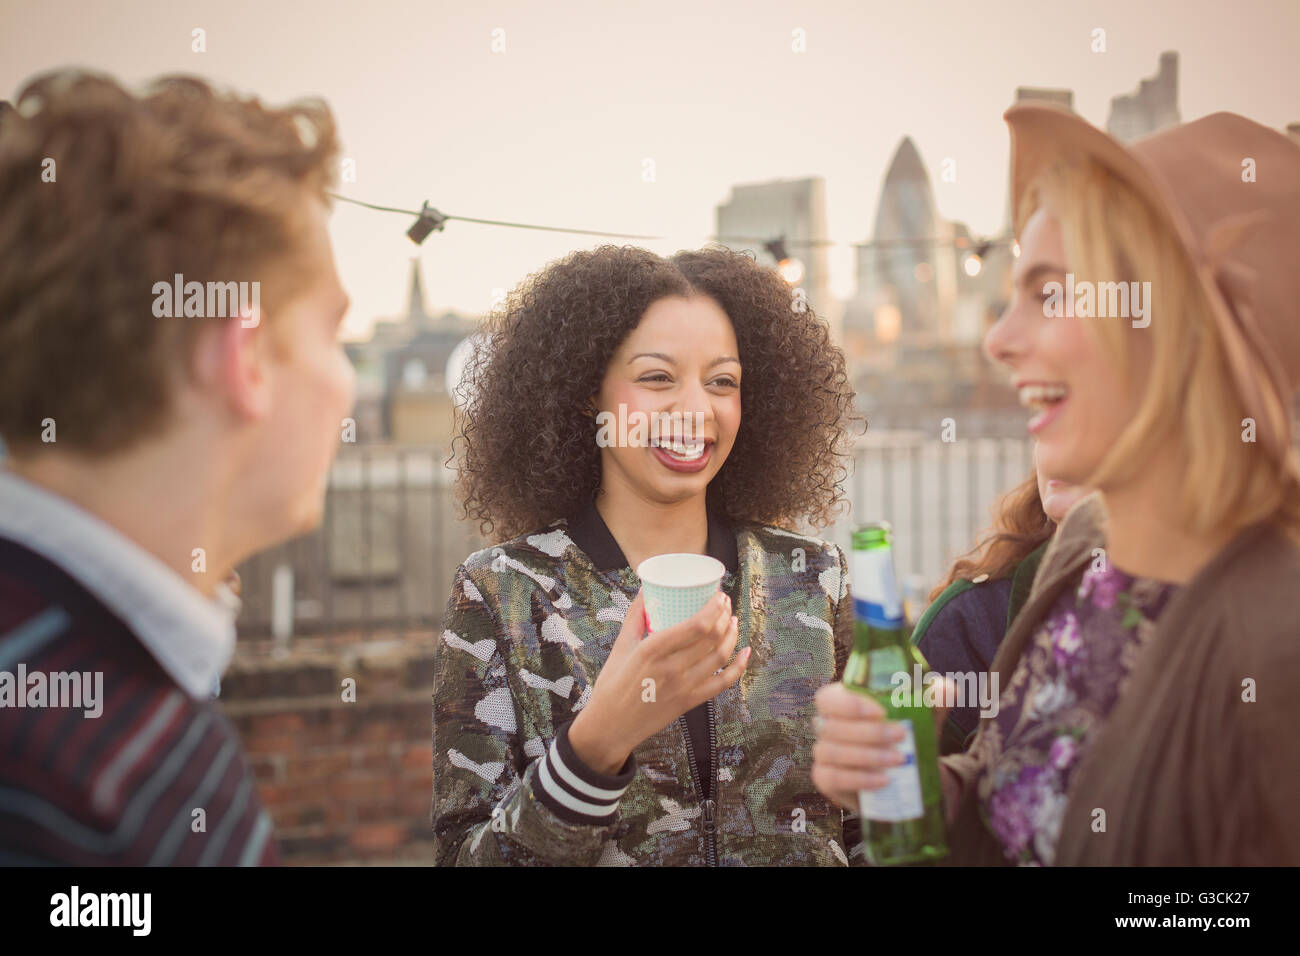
[1065, 684]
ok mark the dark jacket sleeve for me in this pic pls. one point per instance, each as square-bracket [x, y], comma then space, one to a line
[963, 638]
[496, 799]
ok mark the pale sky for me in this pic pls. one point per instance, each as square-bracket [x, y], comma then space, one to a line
[554, 130]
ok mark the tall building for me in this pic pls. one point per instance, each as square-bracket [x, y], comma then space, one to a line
[1044, 94]
[401, 395]
[1034, 94]
[789, 209]
[1153, 107]
[913, 287]
[907, 273]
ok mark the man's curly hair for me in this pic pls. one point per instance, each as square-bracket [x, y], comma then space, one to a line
[525, 451]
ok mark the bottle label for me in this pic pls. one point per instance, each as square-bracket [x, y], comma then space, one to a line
[876, 598]
[900, 798]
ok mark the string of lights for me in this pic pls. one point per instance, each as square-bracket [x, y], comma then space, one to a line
[429, 220]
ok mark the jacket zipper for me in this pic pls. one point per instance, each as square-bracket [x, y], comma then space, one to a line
[709, 807]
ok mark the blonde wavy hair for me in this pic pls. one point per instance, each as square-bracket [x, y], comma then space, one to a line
[1111, 232]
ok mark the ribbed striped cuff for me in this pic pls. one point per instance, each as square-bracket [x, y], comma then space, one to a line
[573, 791]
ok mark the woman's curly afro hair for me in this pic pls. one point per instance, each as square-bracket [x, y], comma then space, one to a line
[525, 451]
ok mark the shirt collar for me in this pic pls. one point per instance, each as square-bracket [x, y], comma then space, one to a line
[590, 533]
[191, 637]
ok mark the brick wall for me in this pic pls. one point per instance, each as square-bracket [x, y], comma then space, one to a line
[345, 782]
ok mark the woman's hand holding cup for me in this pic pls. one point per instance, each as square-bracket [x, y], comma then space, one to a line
[651, 679]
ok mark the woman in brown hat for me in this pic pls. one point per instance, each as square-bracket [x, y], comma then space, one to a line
[1148, 686]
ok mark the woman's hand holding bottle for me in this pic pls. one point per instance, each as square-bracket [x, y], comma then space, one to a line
[856, 746]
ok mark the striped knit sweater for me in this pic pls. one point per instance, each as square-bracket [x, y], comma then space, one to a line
[125, 787]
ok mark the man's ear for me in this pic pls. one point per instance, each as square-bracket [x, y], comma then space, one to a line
[233, 360]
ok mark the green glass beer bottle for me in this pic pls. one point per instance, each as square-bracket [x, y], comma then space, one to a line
[902, 822]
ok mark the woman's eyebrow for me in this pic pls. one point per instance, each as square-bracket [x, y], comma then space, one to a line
[1039, 270]
[672, 361]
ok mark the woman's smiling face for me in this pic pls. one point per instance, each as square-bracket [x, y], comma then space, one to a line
[1080, 400]
[682, 361]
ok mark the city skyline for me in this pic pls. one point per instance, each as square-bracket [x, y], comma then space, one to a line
[429, 112]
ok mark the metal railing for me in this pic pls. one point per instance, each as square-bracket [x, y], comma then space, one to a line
[383, 558]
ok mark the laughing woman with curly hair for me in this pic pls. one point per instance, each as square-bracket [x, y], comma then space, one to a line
[563, 733]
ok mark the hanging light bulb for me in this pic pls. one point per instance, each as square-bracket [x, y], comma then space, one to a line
[975, 261]
[790, 269]
[430, 220]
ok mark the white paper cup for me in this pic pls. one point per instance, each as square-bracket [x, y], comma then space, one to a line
[677, 585]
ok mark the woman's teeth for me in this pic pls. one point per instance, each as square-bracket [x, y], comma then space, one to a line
[1040, 396]
[680, 450]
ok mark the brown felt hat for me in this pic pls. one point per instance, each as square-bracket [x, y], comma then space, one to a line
[1244, 237]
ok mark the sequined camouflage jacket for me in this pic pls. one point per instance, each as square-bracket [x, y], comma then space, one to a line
[529, 624]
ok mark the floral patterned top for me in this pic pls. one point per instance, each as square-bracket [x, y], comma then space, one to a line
[1066, 683]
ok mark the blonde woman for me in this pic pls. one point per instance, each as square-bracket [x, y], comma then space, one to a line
[1148, 685]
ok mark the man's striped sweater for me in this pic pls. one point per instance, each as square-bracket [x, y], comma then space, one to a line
[124, 787]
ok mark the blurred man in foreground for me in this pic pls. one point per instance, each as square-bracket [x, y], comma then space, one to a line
[171, 393]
